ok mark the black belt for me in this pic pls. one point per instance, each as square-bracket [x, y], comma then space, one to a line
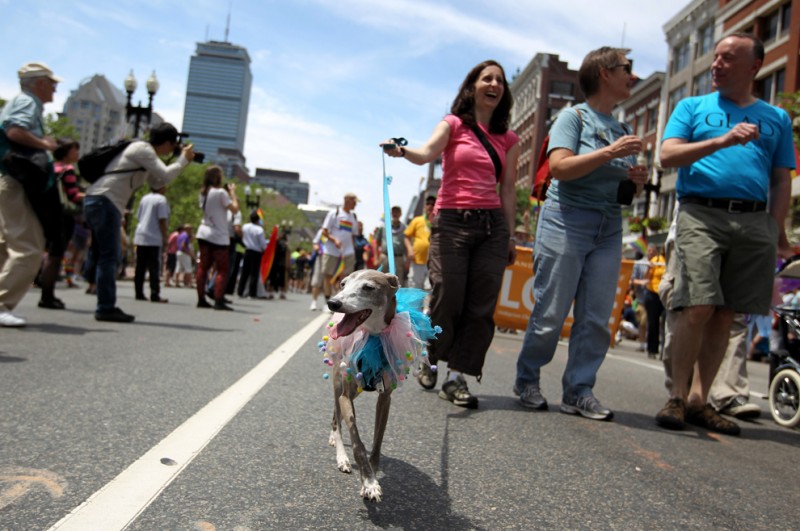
[733, 206]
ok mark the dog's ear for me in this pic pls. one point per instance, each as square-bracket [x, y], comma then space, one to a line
[393, 281]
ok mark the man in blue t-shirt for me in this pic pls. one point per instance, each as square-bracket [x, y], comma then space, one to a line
[734, 154]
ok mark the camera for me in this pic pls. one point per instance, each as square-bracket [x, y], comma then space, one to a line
[625, 192]
[198, 156]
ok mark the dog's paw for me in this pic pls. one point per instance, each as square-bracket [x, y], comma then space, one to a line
[332, 439]
[371, 490]
[344, 465]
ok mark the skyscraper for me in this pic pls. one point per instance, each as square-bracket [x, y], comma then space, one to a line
[217, 101]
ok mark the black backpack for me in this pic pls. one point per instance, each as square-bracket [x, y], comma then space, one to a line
[93, 165]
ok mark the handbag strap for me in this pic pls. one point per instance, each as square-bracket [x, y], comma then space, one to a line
[498, 165]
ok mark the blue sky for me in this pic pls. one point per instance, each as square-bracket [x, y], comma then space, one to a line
[331, 78]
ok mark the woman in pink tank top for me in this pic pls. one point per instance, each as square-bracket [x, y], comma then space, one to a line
[472, 225]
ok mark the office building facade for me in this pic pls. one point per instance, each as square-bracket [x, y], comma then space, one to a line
[97, 111]
[543, 88]
[287, 183]
[217, 102]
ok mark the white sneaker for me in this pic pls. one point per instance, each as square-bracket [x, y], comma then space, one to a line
[314, 305]
[741, 408]
[9, 320]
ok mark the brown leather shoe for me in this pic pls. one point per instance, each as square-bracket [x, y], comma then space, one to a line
[672, 415]
[708, 418]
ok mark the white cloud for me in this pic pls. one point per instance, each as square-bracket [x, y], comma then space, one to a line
[332, 78]
[327, 157]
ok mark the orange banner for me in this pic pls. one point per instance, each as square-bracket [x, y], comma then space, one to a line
[515, 303]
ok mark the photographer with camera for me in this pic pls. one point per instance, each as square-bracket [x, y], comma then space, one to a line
[105, 202]
[578, 248]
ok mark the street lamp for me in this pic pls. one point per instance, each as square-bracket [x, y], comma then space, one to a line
[138, 111]
[252, 201]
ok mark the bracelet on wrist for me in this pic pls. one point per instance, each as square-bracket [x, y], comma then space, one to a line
[402, 152]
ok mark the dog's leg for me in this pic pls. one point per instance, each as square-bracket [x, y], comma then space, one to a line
[370, 488]
[381, 418]
[335, 439]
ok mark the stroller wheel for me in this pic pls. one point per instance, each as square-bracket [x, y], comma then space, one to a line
[784, 398]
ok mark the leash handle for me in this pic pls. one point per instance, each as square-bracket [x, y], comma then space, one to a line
[387, 211]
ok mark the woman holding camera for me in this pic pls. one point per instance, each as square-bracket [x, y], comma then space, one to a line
[213, 237]
[578, 248]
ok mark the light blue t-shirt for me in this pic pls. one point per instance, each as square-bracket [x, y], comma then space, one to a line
[597, 190]
[25, 111]
[736, 172]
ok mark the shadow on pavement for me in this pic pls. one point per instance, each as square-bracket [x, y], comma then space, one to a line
[53, 328]
[753, 431]
[10, 359]
[412, 500]
[780, 435]
[177, 326]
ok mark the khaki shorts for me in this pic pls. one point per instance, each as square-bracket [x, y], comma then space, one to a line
[331, 263]
[724, 259]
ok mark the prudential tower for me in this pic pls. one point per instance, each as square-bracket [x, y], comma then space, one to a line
[217, 101]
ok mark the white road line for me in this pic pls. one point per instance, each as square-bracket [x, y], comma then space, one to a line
[121, 501]
[659, 367]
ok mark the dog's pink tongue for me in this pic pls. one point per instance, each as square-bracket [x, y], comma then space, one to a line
[346, 326]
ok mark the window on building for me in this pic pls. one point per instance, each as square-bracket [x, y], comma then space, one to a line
[675, 96]
[786, 17]
[561, 88]
[768, 88]
[702, 83]
[776, 24]
[652, 119]
[640, 125]
[705, 42]
[680, 56]
[770, 27]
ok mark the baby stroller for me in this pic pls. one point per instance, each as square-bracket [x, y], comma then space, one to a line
[784, 355]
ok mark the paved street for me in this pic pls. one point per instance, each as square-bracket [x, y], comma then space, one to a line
[199, 420]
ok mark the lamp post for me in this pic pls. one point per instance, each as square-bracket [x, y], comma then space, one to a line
[251, 199]
[138, 111]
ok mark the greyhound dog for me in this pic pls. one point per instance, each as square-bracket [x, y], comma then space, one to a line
[373, 347]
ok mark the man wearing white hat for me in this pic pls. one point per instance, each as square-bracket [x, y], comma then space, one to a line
[21, 236]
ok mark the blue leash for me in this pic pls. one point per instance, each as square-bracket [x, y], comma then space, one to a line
[387, 210]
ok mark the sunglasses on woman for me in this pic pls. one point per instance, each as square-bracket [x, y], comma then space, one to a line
[628, 67]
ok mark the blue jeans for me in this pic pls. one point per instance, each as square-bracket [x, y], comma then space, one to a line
[577, 257]
[105, 221]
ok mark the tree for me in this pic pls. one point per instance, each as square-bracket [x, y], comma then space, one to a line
[790, 102]
[182, 196]
[60, 127]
